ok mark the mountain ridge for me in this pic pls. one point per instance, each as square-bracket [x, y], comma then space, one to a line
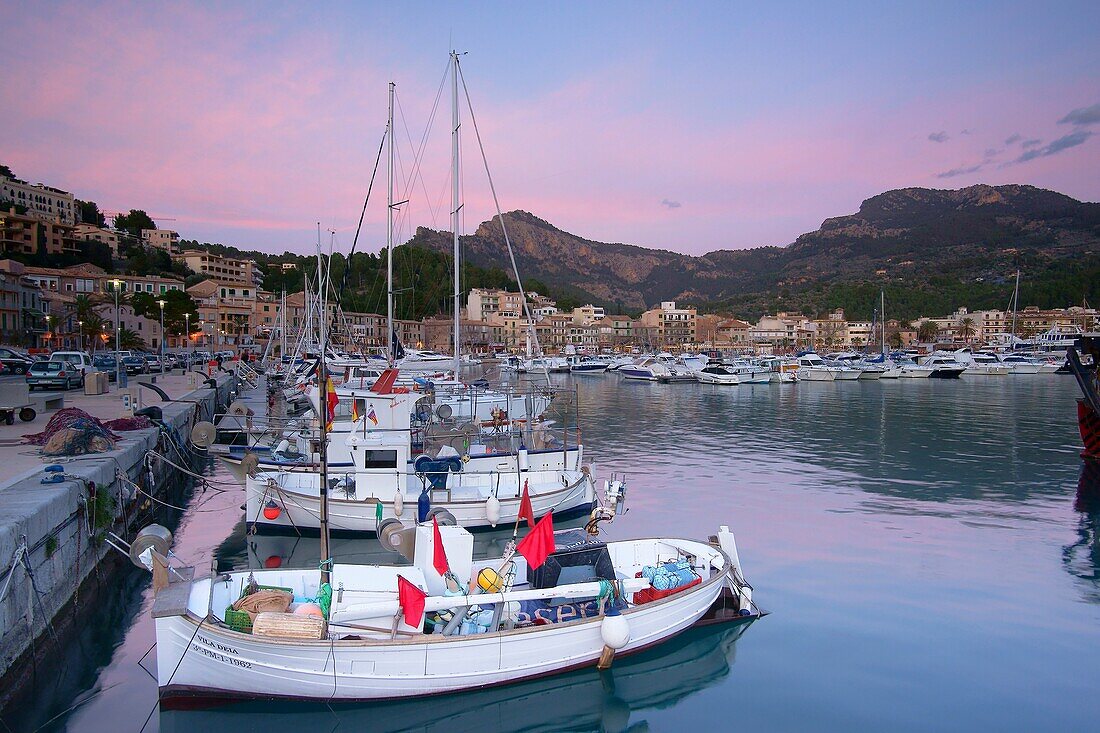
[911, 236]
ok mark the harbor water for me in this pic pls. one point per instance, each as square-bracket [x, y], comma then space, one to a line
[929, 551]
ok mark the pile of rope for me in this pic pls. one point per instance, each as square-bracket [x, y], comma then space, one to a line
[71, 418]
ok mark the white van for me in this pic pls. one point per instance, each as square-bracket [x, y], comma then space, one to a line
[79, 359]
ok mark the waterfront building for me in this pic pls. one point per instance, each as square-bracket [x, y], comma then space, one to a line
[22, 319]
[151, 284]
[674, 326]
[733, 332]
[147, 329]
[226, 311]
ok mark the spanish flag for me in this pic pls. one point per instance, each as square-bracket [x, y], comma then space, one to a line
[331, 399]
[354, 410]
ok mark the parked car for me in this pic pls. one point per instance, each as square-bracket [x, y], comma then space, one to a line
[135, 365]
[16, 361]
[107, 363]
[171, 361]
[78, 358]
[153, 362]
[55, 374]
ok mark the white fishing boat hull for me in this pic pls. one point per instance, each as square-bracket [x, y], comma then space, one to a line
[916, 372]
[816, 374]
[550, 488]
[848, 375]
[197, 657]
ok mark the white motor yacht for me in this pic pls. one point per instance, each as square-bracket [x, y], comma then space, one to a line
[812, 368]
[1020, 364]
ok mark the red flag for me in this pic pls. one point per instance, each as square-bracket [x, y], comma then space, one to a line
[439, 558]
[539, 542]
[525, 510]
[331, 400]
[411, 599]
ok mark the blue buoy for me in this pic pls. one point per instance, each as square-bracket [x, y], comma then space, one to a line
[423, 505]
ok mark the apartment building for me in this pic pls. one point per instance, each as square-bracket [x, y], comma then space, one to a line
[674, 326]
[30, 234]
[226, 312]
[22, 319]
[223, 269]
[41, 201]
[151, 284]
[165, 239]
[90, 232]
[482, 304]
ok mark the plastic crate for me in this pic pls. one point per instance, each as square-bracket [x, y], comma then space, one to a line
[239, 620]
[648, 595]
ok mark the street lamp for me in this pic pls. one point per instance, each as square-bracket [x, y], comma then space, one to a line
[187, 332]
[202, 330]
[161, 304]
[80, 335]
[118, 335]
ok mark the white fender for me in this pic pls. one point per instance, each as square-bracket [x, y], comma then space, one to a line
[398, 504]
[492, 510]
[615, 630]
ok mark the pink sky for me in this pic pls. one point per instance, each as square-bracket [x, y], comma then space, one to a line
[249, 124]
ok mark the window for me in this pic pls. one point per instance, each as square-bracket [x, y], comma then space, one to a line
[380, 459]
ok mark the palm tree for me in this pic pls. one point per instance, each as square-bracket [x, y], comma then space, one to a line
[129, 341]
[966, 328]
[927, 331]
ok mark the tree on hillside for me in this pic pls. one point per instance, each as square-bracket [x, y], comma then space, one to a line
[894, 340]
[6, 172]
[90, 213]
[134, 222]
[927, 331]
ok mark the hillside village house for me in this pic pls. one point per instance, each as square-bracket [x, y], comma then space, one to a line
[41, 201]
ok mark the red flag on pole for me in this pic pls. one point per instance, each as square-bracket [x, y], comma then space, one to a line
[525, 510]
[439, 557]
[411, 599]
[539, 542]
[331, 400]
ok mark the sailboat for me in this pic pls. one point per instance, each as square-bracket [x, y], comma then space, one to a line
[478, 483]
[551, 603]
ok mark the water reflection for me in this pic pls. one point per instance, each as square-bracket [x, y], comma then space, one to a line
[932, 440]
[1082, 558]
[587, 700]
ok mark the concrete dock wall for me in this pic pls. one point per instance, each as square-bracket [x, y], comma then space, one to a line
[55, 521]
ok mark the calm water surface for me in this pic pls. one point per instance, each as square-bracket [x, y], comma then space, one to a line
[929, 551]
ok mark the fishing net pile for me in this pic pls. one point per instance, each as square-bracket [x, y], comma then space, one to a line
[73, 432]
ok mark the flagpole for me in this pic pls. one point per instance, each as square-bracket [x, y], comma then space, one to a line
[322, 419]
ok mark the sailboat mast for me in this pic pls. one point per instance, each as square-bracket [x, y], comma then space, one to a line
[389, 231]
[455, 208]
[882, 317]
[1015, 307]
[322, 414]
